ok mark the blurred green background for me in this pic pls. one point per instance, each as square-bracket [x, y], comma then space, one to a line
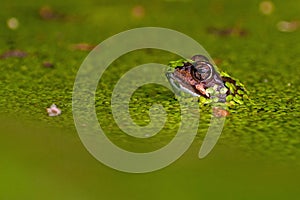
[42, 45]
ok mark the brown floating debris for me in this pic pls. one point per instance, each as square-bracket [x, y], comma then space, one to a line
[47, 13]
[82, 47]
[288, 26]
[12, 23]
[220, 112]
[138, 11]
[217, 61]
[234, 31]
[13, 54]
[266, 7]
[48, 64]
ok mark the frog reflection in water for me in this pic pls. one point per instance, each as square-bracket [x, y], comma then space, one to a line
[199, 77]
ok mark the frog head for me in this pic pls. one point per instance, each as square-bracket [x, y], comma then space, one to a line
[197, 77]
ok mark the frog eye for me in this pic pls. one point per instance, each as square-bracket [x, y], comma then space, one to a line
[205, 69]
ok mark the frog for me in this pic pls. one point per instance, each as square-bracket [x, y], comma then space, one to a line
[199, 77]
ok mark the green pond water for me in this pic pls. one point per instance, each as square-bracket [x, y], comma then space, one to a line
[42, 157]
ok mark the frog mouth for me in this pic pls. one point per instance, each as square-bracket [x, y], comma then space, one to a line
[180, 85]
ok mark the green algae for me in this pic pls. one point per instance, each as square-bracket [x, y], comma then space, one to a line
[38, 162]
[268, 68]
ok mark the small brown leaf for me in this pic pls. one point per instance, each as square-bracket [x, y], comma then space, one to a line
[13, 54]
[82, 47]
[233, 31]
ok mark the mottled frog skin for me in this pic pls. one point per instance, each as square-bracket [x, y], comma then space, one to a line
[200, 78]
